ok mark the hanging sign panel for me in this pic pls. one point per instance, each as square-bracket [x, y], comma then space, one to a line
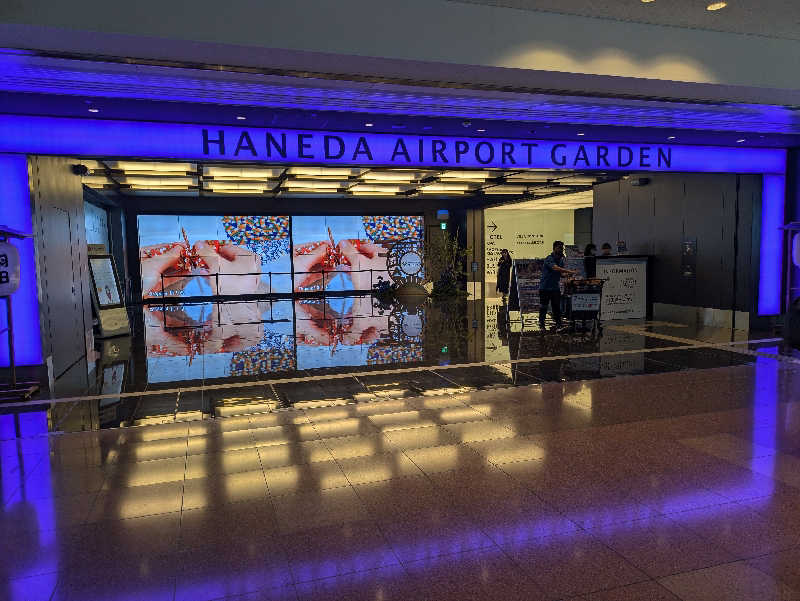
[9, 269]
[107, 138]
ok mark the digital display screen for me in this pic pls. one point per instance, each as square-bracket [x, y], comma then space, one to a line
[216, 340]
[347, 253]
[194, 341]
[104, 282]
[201, 255]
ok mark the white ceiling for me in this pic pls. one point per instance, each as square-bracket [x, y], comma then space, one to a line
[577, 200]
[771, 18]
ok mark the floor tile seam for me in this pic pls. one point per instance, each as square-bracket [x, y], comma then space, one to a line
[450, 394]
[333, 457]
[345, 574]
[751, 563]
[696, 531]
[179, 538]
[585, 596]
[25, 478]
[713, 564]
[301, 379]
[637, 330]
[621, 557]
[377, 523]
[271, 500]
[494, 547]
[737, 561]
[545, 502]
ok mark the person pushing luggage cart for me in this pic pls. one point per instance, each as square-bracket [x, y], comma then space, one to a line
[549, 286]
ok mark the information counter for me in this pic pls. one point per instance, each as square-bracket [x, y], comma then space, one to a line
[625, 292]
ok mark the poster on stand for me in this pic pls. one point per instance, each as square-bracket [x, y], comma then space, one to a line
[575, 262]
[625, 288]
[525, 277]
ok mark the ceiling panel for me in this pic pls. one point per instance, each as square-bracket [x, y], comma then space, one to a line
[770, 18]
[219, 179]
[105, 83]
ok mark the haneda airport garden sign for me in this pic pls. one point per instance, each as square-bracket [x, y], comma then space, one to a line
[107, 138]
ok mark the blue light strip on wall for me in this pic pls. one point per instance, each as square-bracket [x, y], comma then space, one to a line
[773, 200]
[16, 213]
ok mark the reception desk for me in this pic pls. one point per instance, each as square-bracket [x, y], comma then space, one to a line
[625, 292]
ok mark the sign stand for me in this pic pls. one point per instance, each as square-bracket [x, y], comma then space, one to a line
[107, 297]
[15, 390]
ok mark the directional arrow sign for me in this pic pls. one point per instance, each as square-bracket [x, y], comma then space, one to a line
[493, 226]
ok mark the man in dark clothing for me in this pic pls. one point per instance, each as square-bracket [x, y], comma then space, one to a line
[549, 291]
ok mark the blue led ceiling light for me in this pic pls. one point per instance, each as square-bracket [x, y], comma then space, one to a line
[21, 73]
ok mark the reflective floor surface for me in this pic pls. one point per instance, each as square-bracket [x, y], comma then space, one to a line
[199, 361]
[662, 484]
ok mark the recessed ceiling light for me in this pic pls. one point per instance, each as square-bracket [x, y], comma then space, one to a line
[740, 140]
[480, 130]
[94, 110]
[580, 133]
[241, 117]
[670, 137]
[368, 124]
[647, 1]
[716, 5]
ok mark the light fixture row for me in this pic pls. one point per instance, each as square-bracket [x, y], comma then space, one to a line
[143, 175]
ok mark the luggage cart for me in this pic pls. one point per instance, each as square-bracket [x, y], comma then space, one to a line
[582, 299]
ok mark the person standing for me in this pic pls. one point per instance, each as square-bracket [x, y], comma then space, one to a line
[549, 290]
[590, 260]
[503, 272]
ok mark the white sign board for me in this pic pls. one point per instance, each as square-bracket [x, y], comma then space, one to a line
[625, 289]
[585, 301]
[9, 269]
[526, 233]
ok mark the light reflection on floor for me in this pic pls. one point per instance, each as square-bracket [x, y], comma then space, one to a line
[669, 485]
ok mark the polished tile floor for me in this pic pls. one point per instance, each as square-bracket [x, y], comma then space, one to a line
[683, 485]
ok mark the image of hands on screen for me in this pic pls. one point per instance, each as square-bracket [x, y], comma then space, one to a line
[215, 340]
[202, 255]
[207, 340]
[346, 252]
[346, 331]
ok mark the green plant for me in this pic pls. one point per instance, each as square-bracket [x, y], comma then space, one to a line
[447, 265]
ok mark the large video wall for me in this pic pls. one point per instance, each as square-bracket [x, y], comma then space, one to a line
[203, 255]
[200, 341]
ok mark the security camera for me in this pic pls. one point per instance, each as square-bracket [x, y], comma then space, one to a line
[80, 169]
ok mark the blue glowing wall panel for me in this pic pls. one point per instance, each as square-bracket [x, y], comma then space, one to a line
[773, 200]
[86, 137]
[16, 213]
[105, 138]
